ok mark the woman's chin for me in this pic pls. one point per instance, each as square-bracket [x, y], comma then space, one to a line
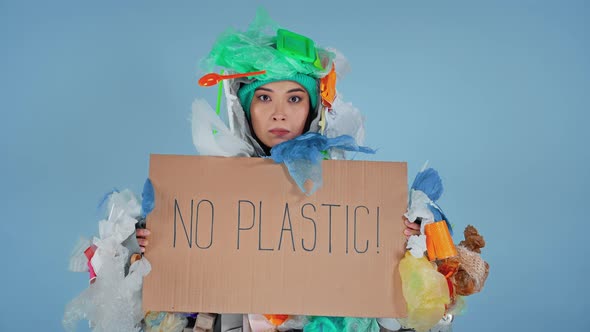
[277, 140]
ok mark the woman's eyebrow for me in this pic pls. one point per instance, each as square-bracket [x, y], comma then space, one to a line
[263, 88]
[296, 90]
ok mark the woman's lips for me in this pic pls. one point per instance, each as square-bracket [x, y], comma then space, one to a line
[280, 132]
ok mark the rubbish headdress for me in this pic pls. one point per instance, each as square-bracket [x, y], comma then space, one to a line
[264, 53]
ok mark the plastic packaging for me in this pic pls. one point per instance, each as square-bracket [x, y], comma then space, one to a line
[293, 323]
[223, 142]
[113, 302]
[303, 156]
[425, 290]
[165, 322]
[439, 242]
[255, 49]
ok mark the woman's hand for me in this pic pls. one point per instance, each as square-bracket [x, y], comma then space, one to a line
[141, 234]
[412, 228]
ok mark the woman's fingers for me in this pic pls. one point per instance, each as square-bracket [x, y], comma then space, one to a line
[412, 225]
[141, 235]
[412, 228]
[142, 232]
[409, 232]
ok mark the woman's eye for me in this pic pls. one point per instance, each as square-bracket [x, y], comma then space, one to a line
[264, 98]
[295, 99]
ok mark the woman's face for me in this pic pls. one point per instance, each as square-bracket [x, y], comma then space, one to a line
[279, 112]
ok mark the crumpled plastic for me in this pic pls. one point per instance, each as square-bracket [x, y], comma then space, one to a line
[294, 323]
[79, 261]
[426, 292]
[254, 50]
[221, 143]
[303, 155]
[391, 324]
[123, 210]
[425, 191]
[345, 119]
[147, 198]
[418, 208]
[165, 322]
[259, 323]
[113, 302]
[417, 245]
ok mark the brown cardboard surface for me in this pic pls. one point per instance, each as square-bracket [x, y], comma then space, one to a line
[236, 235]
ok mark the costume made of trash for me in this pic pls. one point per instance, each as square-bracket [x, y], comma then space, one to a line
[436, 274]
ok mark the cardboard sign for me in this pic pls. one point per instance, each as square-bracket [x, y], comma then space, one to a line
[236, 235]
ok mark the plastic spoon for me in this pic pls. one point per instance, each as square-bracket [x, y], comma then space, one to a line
[214, 78]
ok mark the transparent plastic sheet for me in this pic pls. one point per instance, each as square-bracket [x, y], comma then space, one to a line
[293, 323]
[342, 66]
[223, 142]
[113, 302]
[238, 124]
[390, 324]
[302, 170]
[254, 50]
[443, 325]
[352, 324]
[123, 209]
[426, 292]
[165, 322]
[345, 119]
[78, 261]
[259, 323]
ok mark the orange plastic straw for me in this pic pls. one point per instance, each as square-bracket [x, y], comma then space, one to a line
[439, 242]
[214, 78]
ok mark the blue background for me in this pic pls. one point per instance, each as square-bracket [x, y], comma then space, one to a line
[495, 95]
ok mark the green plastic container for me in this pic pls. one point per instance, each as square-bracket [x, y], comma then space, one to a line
[296, 46]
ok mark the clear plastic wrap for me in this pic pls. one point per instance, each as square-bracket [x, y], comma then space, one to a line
[221, 143]
[113, 302]
[165, 322]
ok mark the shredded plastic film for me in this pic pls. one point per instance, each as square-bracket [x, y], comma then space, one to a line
[303, 156]
[112, 302]
[165, 322]
[221, 143]
[255, 50]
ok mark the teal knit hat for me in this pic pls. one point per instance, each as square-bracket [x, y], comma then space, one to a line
[246, 92]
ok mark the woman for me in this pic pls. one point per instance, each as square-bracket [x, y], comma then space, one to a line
[284, 92]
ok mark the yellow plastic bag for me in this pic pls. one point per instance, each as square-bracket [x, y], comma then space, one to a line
[426, 292]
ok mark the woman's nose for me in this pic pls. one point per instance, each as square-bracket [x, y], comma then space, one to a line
[279, 114]
[278, 117]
